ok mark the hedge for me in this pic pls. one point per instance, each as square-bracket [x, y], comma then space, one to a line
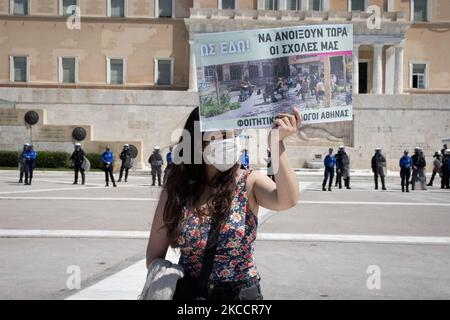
[8, 158]
[52, 159]
[49, 159]
[95, 159]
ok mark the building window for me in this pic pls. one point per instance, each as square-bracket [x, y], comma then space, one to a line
[19, 7]
[253, 71]
[315, 5]
[420, 10]
[358, 5]
[267, 71]
[419, 76]
[213, 73]
[210, 73]
[227, 4]
[116, 8]
[235, 72]
[164, 71]
[65, 5]
[68, 70]
[294, 5]
[19, 69]
[271, 5]
[165, 8]
[116, 71]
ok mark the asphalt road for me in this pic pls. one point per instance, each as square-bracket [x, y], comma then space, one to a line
[327, 247]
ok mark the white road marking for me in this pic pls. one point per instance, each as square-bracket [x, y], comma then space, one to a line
[128, 283]
[303, 237]
[381, 203]
[300, 237]
[123, 285]
[51, 190]
[101, 234]
[79, 198]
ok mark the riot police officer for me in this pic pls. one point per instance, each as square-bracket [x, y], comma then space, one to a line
[30, 163]
[329, 163]
[379, 168]
[78, 158]
[108, 163]
[343, 167]
[156, 161]
[21, 160]
[405, 164]
[419, 165]
[437, 164]
[125, 156]
[445, 182]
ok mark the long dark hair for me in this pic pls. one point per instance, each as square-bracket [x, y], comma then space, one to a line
[186, 183]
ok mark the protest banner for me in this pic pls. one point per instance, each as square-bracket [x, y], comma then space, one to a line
[245, 78]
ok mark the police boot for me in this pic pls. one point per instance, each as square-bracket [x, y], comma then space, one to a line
[383, 184]
[323, 188]
[376, 182]
[348, 183]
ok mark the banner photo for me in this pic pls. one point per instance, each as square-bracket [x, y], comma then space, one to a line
[245, 78]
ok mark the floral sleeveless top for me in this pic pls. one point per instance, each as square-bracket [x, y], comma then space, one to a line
[234, 259]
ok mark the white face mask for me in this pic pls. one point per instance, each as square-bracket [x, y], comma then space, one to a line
[222, 154]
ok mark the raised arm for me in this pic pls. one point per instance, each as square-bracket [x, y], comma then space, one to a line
[158, 242]
[284, 193]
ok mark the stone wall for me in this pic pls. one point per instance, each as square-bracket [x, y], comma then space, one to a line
[391, 122]
[123, 116]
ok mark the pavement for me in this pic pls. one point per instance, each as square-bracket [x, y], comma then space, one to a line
[64, 241]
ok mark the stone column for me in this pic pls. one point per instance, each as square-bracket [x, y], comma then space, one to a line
[355, 78]
[377, 69]
[282, 5]
[261, 5]
[399, 69]
[390, 70]
[192, 68]
[391, 6]
[304, 4]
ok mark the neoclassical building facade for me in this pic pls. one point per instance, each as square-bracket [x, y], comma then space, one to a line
[124, 69]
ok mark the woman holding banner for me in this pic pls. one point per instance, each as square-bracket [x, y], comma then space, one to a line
[208, 209]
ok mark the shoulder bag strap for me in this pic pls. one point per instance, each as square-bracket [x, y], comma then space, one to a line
[208, 258]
